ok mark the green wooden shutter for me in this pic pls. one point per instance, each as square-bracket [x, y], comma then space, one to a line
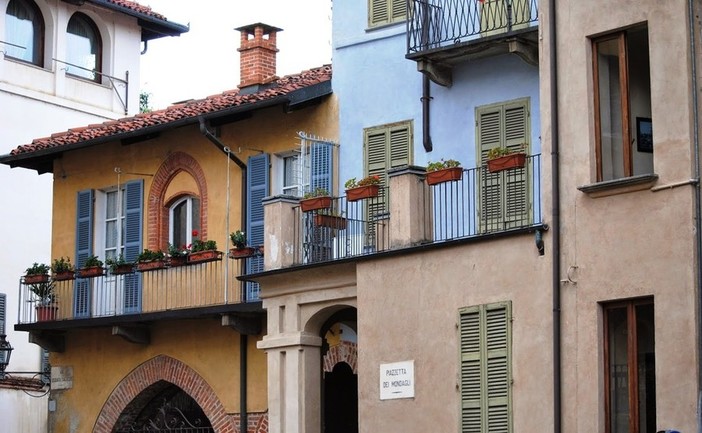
[494, 18]
[134, 199]
[257, 180]
[504, 197]
[84, 248]
[378, 13]
[485, 348]
[399, 10]
[3, 309]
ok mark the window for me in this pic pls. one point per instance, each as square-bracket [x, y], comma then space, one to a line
[184, 216]
[504, 198]
[104, 231]
[486, 368]
[386, 147]
[382, 12]
[292, 175]
[24, 32]
[84, 48]
[622, 94]
[630, 367]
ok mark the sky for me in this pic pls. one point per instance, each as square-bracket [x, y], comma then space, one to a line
[205, 60]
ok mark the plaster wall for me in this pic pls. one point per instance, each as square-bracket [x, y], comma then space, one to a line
[626, 244]
[100, 361]
[16, 402]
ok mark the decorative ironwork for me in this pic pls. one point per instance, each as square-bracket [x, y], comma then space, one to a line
[169, 418]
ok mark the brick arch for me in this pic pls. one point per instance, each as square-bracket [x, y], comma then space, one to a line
[163, 368]
[157, 219]
[346, 351]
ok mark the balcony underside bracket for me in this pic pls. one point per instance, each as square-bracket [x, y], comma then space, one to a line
[243, 324]
[133, 334]
[525, 50]
[440, 74]
[52, 342]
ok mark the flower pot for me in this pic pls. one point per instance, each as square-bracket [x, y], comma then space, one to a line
[315, 203]
[444, 175]
[151, 265]
[204, 256]
[46, 312]
[331, 221]
[178, 261]
[90, 272]
[122, 269]
[242, 253]
[513, 160]
[36, 279]
[63, 276]
[361, 192]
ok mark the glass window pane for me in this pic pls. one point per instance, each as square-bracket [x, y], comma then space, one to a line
[111, 205]
[618, 370]
[110, 234]
[83, 42]
[24, 27]
[179, 223]
[610, 109]
[195, 217]
[646, 368]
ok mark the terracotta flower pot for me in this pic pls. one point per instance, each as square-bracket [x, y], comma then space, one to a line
[178, 261]
[90, 272]
[361, 192]
[122, 269]
[331, 221]
[63, 276]
[513, 160]
[204, 256]
[315, 203]
[444, 175]
[242, 253]
[36, 279]
[150, 266]
[46, 312]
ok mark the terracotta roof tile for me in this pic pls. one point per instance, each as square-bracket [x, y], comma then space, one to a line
[190, 109]
[146, 10]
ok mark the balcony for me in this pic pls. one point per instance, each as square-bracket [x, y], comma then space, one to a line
[200, 289]
[442, 33]
[481, 204]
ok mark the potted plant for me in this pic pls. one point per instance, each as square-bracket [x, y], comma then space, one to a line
[177, 256]
[119, 266]
[319, 198]
[37, 273]
[44, 299]
[62, 269]
[367, 187]
[91, 268]
[504, 158]
[240, 250]
[149, 260]
[204, 251]
[332, 221]
[443, 171]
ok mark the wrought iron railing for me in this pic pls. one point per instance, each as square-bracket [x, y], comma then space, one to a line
[440, 23]
[170, 288]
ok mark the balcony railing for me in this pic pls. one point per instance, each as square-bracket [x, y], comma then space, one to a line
[171, 288]
[480, 203]
[435, 24]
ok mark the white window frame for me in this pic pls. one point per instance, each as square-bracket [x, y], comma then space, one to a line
[189, 218]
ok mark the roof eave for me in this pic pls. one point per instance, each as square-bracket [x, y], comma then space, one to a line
[152, 27]
[42, 160]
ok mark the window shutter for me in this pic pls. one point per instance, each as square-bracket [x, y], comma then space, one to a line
[399, 10]
[400, 139]
[3, 309]
[45, 367]
[485, 344]
[257, 179]
[321, 166]
[386, 147]
[504, 196]
[379, 13]
[132, 242]
[84, 248]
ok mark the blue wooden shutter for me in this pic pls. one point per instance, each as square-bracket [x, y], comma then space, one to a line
[133, 196]
[3, 307]
[257, 183]
[321, 166]
[84, 248]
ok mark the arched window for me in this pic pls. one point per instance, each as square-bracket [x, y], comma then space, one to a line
[84, 48]
[24, 32]
[184, 220]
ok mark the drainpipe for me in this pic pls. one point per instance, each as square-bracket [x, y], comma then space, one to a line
[243, 339]
[697, 201]
[426, 97]
[555, 218]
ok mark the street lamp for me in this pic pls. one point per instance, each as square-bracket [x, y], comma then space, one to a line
[5, 352]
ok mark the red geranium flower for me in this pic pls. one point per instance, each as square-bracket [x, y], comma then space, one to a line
[195, 233]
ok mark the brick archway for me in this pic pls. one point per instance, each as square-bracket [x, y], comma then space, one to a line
[157, 217]
[163, 368]
[346, 351]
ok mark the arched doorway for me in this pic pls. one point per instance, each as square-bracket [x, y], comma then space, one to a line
[163, 407]
[339, 373]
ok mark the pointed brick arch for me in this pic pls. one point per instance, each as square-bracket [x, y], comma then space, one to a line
[346, 351]
[163, 368]
[157, 219]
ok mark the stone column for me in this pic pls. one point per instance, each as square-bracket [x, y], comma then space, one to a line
[410, 207]
[279, 231]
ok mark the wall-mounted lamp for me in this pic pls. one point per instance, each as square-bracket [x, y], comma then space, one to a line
[5, 352]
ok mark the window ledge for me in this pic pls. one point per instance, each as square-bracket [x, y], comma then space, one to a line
[619, 186]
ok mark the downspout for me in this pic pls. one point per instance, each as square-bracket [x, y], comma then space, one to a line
[426, 97]
[555, 217]
[697, 203]
[243, 339]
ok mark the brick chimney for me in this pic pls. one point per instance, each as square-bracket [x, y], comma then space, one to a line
[258, 51]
